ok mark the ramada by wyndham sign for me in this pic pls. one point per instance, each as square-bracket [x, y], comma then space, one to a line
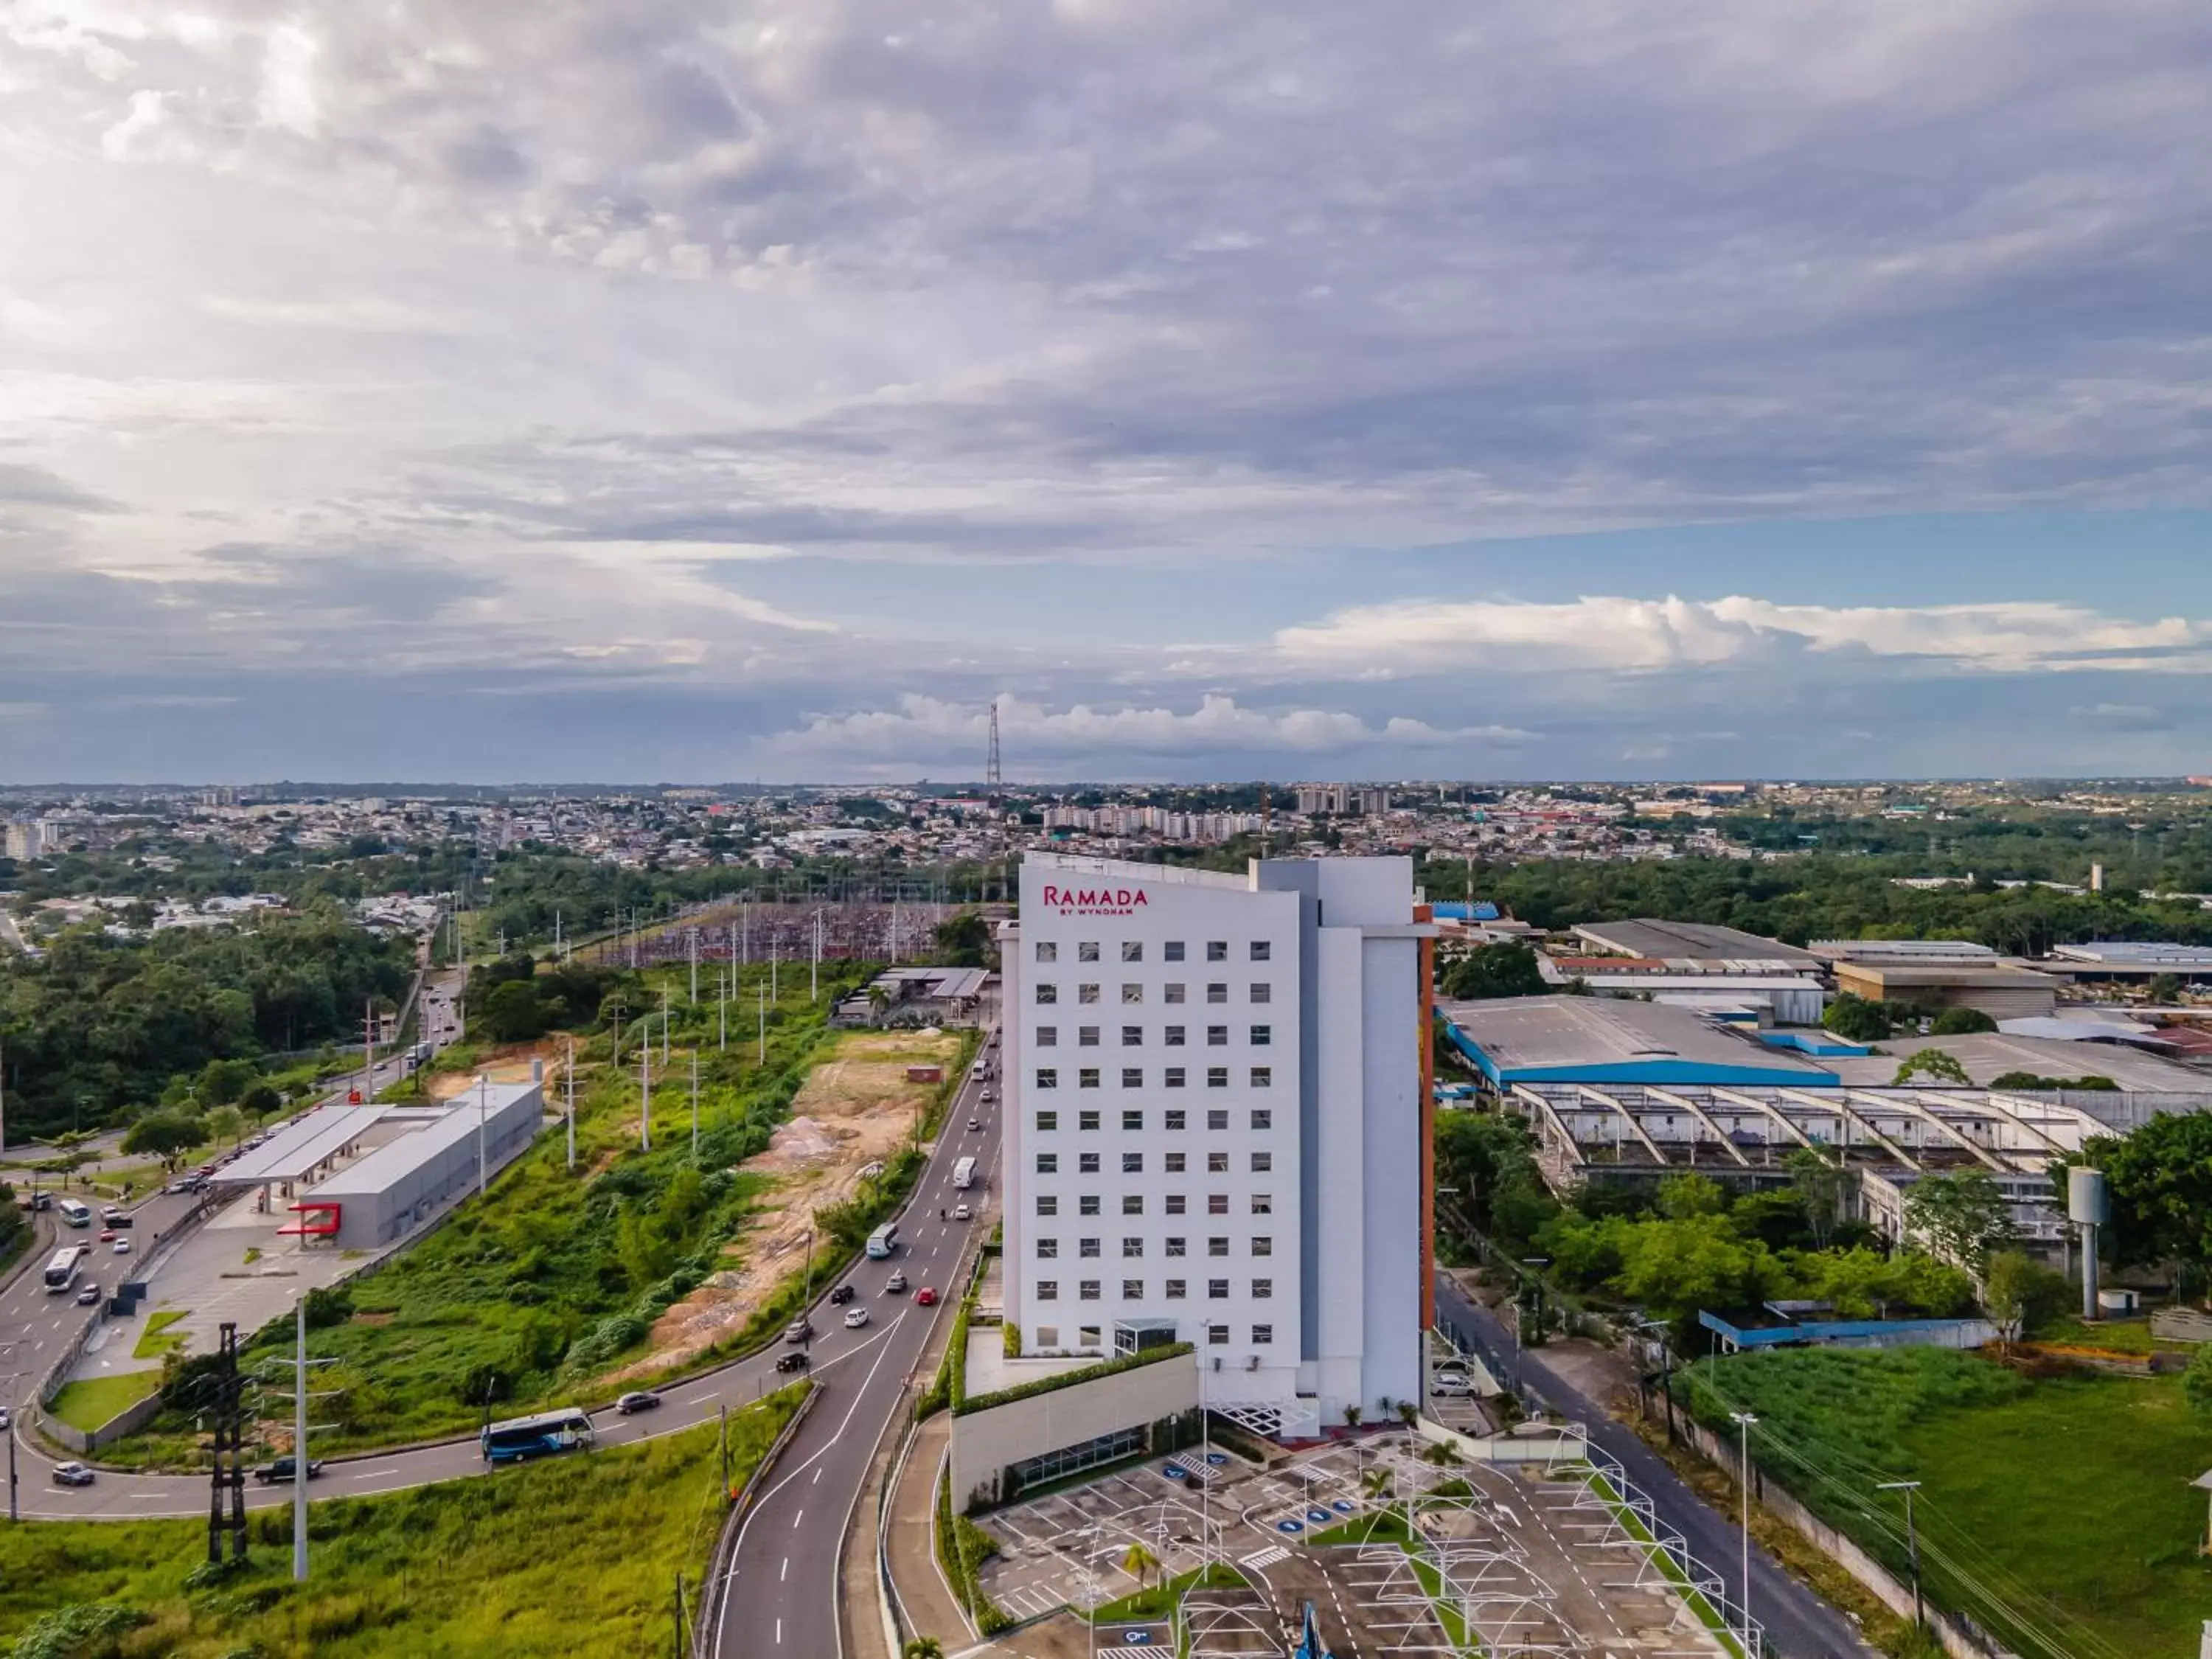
[1095, 901]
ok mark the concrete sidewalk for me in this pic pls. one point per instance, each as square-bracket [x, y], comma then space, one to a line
[930, 1609]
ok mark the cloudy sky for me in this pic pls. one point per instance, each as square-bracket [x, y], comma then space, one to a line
[661, 390]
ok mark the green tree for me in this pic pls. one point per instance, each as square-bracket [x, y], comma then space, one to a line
[2197, 1381]
[1961, 1022]
[1934, 1064]
[165, 1134]
[1960, 1217]
[964, 940]
[1494, 970]
[2022, 1081]
[2020, 1294]
[1823, 1186]
[227, 1123]
[1688, 1194]
[923, 1647]
[223, 1081]
[512, 1012]
[1855, 1019]
[259, 1102]
[2160, 1178]
[1140, 1564]
[2164, 989]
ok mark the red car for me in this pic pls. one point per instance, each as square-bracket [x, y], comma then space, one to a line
[926, 1296]
[108, 1237]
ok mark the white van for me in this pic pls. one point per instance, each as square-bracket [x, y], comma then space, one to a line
[75, 1213]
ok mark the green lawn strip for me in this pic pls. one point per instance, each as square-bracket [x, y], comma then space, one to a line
[573, 1557]
[1157, 1602]
[97, 1400]
[2068, 1498]
[1378, 1526]
[157, 1339]
[1714, 1619]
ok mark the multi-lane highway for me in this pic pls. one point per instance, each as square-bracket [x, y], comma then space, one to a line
[781, 1596]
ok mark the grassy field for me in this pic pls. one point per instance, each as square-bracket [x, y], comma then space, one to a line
[2057, 1510]
[96, 1400]
[575, 1558]
[157, 1339]
[555, 1277]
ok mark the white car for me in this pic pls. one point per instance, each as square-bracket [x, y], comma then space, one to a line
[121, 1247]
[1448, 1382]
[961, 1213]
[855, 1317]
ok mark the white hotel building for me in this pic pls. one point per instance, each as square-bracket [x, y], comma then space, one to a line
[1218, 1125]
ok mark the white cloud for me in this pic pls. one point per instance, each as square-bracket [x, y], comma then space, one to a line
[1411, 636]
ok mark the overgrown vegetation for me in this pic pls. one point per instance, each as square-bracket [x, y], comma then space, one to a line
[510, 1567]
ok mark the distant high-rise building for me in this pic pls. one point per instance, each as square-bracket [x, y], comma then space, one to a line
[1343, 800]
[25, 840]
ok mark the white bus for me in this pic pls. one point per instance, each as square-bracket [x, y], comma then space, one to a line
[541, 1435]
[964, 1173]
[76, 1215]
[62, 1271]
[884, 1240]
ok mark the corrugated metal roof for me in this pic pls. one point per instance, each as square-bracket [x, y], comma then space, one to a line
[298, 1148]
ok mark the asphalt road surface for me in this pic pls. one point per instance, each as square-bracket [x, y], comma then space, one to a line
[782, 1593]
[1799, 1624]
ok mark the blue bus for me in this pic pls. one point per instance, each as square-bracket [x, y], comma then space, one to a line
[564, 1429]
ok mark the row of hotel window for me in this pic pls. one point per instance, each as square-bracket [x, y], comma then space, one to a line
[1172, 1036]
[1134, 1163]
[1175, 1117]
[1133, 950]
[1048, 1249]
[1133, 1290]
[1086, 1336]
[1131, 994]
[1134, 1203]
[1133, 1077]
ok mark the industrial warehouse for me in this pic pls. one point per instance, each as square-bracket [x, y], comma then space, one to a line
[360, 1178]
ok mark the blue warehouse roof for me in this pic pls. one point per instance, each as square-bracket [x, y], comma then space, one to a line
[1603, 1040]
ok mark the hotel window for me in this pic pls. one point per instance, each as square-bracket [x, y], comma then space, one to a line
[1217, 1117]
[1261, 949]
[1047, 993]
[1172, 994]
[1133, 1036]
[1087, 1247]
[1047, 1120]
[1217, 1332]
[1133, 1290]
[1217, 1077]
[1263, 1162]
[1048, 1336]
[1217, 1289]
[1263, 1290]
[1217, 1247]
[1086, 1163]
[1087, 950]
[1263, 1076]
[1172, 1079]
[1047, 1162]
[1217, 992]
[1133, 1164]
[1048, 1290]
[1086, 994]
[1134, 1120]
[1175, 1203]
[1132, 1248]
[1262, 1335]
[1262, 992]
[1171, 950]
[1262, 1118]
[1133, 950]
[1048, 1249]
[1178, 1247]
[1087, 1078]
[1086, 1336]
[1174, 1037]
[1176, 1290]
[1048, 1076]
[1088, 1289]
[1217, 1036]
[1217, 1204]
[1048, 1204]
[1047, 1037]
[1217, 950]
[1217, 1163]
[1131, 994]
[1133, 1204]
[1263, 1036]
[1262, 1244]
[1175, 1162]
[1086, 1036]
[1047, 951]
[1263, 1204]
[1087, 1204]
[1087, 1119]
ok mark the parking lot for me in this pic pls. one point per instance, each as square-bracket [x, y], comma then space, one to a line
[1532, 1555]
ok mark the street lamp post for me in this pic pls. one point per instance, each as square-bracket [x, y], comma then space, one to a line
[1744, 1422]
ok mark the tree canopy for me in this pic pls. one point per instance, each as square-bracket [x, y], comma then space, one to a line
[1494, 970]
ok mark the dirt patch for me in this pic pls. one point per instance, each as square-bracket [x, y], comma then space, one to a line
[507, 1064]
[375, 1318]
[856, 1109]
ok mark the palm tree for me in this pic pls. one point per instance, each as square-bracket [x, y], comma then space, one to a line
[1351, 1416]
[1140, 1564]
[1442, 1454]
[923, 1647]
[1407, 1410]
[1373, 1486]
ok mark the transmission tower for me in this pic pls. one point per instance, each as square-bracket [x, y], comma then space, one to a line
[993, 783]
[229, 1454]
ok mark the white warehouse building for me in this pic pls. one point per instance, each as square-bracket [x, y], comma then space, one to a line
[1218, 1126]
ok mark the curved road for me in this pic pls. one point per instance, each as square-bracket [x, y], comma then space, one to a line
[859, 1370]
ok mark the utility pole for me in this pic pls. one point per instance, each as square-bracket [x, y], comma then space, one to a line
[695, 1105]
[664, 1028]
[693, 933]
[763, 1026]
[299, 1449]
[483, 1087]
[645, 1092]
[556, 932]
[775, 969]
[1912, 1544]
[571, 1085]
[1744, 1420]
[814, 971]
[722, 1012]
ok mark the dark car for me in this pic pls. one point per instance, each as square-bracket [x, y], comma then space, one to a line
[842, 1294]
[642, 1400]
[88, 1295]
[799, 1330]
[72, 1475]
[793, 1362]
[282, 1470]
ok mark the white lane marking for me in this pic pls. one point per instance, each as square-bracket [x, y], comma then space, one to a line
[817, 1477]
[796, 1519]
[779, 1632]
[786, 1573]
